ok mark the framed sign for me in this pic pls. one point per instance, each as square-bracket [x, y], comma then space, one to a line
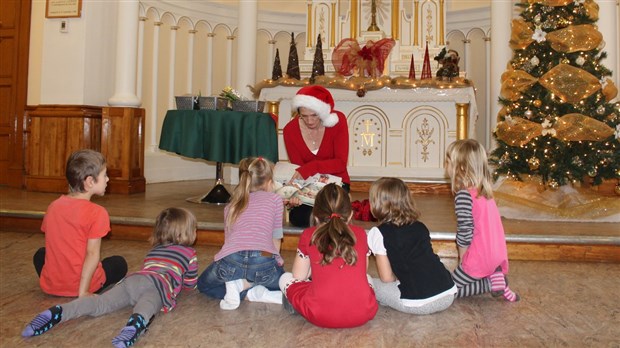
[63, 8]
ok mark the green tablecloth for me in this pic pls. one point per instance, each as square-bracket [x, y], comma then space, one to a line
[221, 136]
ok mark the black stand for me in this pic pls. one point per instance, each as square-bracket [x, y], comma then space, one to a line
[218, 194]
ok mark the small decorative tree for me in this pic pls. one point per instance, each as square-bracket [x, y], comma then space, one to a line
[318, 65]
[292, 69]
[276, 72]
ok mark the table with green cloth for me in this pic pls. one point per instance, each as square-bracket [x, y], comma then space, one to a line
[220, 136]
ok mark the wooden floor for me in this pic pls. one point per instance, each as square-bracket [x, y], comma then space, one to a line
[568, 304]
[133, 216]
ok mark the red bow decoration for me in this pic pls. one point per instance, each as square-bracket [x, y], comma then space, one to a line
[369, 60]
[361, 211]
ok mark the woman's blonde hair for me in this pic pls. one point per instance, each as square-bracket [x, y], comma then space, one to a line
[174, 226]
[391, 201]
[333, 237]
[254, 175]
[467, 166]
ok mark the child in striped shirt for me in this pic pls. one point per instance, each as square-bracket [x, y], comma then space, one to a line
[483, 256]
[249, 264]
[169, 267]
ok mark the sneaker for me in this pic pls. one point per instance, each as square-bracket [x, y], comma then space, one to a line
[43, 322]
[129, 334]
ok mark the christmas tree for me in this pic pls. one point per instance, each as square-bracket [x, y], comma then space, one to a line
[292, 69]
[276, 72]
[318, 66]
[557, 122]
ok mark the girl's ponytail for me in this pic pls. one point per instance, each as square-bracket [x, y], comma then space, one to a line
[333, 238]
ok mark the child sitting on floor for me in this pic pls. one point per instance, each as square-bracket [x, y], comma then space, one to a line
[170, 266]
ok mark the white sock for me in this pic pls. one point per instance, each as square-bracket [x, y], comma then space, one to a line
[232, 300]
[260, 293]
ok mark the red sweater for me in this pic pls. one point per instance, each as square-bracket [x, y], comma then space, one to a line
[333, 152]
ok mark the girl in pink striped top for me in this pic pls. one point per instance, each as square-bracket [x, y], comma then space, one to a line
[483, 257]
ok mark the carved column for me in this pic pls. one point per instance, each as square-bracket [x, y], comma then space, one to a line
[246, 47]
[126, 55]
[229, 55]
[154, 85]
[209, 73]
[171, 65]
[354, 14]
[140, 56]
[190, 61]
[462, 120]
[395, 20]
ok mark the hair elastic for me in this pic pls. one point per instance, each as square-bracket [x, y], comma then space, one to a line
[335, 215]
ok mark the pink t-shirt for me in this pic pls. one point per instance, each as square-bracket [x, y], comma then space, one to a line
[68, 225]
[488, 245]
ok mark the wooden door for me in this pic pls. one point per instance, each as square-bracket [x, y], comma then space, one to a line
[14, 41]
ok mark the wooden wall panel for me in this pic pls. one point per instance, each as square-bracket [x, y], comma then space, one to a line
[53, 132]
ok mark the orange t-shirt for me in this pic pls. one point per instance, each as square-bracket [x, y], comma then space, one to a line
[68, 224]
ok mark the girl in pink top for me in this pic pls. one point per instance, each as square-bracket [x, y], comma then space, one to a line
[483, 258]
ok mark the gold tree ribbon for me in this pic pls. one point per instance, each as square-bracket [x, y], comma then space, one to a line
[514, 82]
[570, 83]
[570, 127]
[553, 3]
[591, 9]
[575, 38]
[610, 91]
[521, 34]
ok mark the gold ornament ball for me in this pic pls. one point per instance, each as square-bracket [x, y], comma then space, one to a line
[533, 163]
[592, 172]
[553, 185]
[537, 103]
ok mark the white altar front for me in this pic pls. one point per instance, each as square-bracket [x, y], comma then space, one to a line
[394, 132]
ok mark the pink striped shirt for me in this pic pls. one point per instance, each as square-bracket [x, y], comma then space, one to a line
[257, 226]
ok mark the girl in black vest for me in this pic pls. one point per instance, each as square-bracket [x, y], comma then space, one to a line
[412, 277]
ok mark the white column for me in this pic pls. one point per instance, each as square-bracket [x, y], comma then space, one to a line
[609, 25]
[467, 55]
[501, 19]
[229, 56]
[209, 72]
[128, 13]
[271, 54]
[246, 47]
[140, 56]
[173, 46]
[487, 96]
[153, 144]
[190, 62]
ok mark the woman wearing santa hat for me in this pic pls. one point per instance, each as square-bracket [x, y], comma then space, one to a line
[317, 141]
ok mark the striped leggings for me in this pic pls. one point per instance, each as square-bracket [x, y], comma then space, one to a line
[468, 285]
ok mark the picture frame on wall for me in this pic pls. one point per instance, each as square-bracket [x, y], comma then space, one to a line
[63, 8]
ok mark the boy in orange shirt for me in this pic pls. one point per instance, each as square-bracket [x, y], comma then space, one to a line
[69, 263]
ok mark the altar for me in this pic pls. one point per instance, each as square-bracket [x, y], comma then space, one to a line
[394, 132]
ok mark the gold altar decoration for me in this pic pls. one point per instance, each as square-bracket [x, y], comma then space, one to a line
[610, 91]
[570, 127]
[575, 38]
[521, 35]
[531, 200]
[591, 10]
[552, 3]
[570, 83]
[362, 84]
[514, 82]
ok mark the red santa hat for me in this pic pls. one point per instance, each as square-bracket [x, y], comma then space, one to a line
[319, 100]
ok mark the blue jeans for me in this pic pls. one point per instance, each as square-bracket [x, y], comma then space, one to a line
[247, 264]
